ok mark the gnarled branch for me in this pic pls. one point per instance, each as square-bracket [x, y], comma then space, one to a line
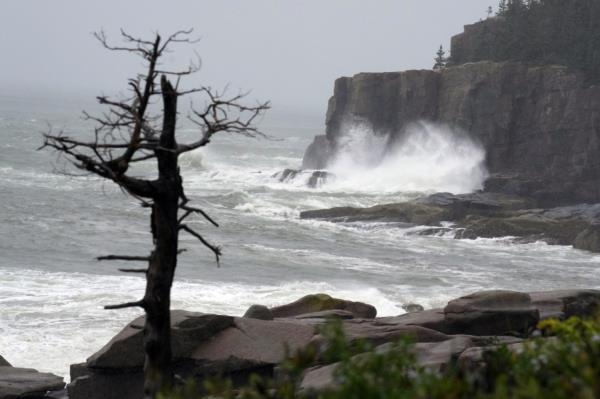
[189, 210]
[215, 249]
[137, 304]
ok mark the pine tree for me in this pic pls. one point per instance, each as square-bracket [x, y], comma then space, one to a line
[490, 11]
[502, 8]
[515, 6]
[440, 59]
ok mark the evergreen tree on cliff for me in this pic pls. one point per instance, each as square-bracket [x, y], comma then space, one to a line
[135, 130]
[515, 6]
[542, 32]
[501, 7]
[440, 59]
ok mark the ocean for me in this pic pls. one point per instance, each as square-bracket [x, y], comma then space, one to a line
[53, 225]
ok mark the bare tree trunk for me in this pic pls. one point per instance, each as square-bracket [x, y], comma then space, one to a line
[157, 300]
[111, 154]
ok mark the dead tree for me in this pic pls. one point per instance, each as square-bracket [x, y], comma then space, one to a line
[132, 131]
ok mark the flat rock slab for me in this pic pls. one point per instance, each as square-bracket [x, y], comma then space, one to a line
[378, 333]
[327, 315]
[188, 330]
[27, 383]
[319, 379]
[563, 304]
[433, 319]
[492, 313]
[252, 341]
[433, 355]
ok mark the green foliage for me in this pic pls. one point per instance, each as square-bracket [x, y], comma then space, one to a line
[440, 59]
[564, 363]
[564, 32]
[564, 366]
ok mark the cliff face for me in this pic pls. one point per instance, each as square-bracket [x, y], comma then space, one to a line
[478, 42]
[540, 125]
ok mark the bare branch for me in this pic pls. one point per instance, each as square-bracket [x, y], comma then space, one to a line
[216, 250]
[125, 258]
[137, 304]
[189, 210]
[134, 270]
[216, 118]
[181, 36]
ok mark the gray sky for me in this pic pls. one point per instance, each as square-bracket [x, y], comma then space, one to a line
[287, 51]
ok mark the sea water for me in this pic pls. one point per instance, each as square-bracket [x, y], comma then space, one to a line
[53, 225]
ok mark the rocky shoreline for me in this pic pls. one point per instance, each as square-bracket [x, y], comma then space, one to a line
[483, 214]
[23, 383]
[206, 345]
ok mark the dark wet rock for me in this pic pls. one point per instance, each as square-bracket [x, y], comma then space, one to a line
[286, 175]
[481, 203]
[318, 178]
[17, 383]
[317, 154]
[588, 239]
[436, 231]
[101, 384]
[259, 312]
[561, 232]
[77, 370]
[492, 313]
[413, 308]
[188, 330]
[563, 304]
[407, 212]
[61, 394]
[487, 215]
[320, 302]
[568, 225]
[314, 179]
[430, 210]
[327, 314]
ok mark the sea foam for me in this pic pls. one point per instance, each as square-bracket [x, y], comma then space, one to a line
[428, 157]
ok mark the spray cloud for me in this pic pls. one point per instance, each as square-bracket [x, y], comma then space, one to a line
[428, 157]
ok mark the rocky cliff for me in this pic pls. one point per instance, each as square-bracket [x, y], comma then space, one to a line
[242, 348]
[540, 125]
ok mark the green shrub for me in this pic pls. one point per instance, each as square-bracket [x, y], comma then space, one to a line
[564, 362]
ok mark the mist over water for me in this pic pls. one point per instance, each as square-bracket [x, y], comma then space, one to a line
[428, 157]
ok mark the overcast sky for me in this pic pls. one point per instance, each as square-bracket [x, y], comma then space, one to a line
[287, 51]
